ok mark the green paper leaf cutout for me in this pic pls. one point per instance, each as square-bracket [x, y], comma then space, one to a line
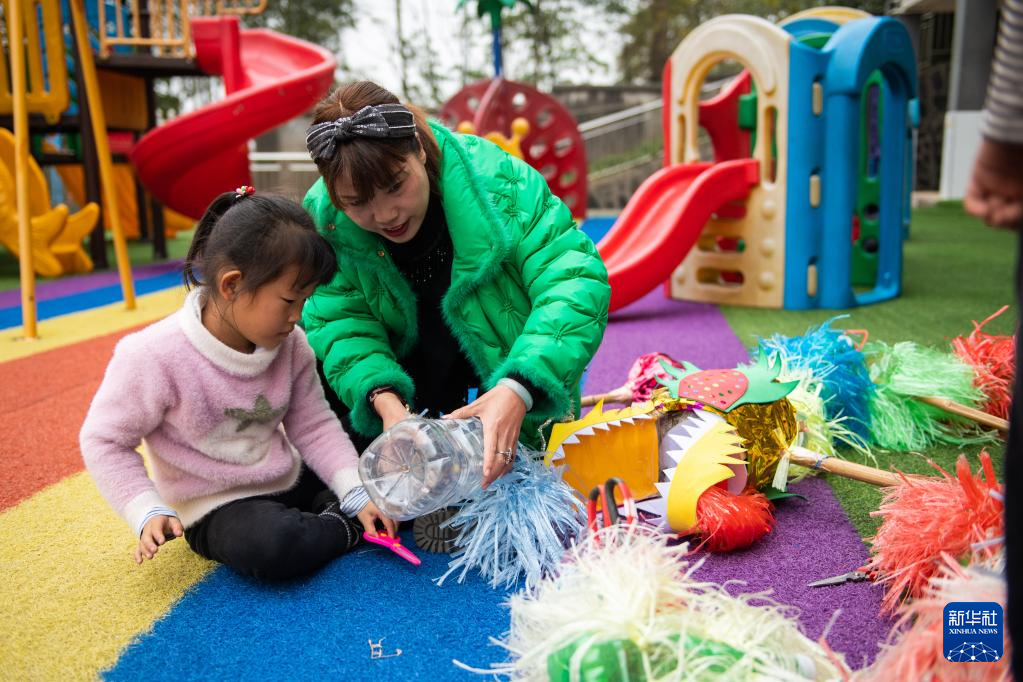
[773, 494]
[762, 385]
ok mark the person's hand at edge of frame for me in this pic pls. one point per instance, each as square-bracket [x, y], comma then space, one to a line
[995, 190]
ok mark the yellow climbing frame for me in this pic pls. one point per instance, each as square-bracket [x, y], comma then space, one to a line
[30, 92]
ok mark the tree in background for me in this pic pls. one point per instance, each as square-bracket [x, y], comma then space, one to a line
[423, 81]
[543, 41]
[318, 21]
[553, 35]
[652, 29]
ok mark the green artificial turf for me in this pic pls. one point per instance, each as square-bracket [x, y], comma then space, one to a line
[955, 270]
[139, 253]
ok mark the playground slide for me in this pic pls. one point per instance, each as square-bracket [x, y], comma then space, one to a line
[663, 219]
[269, 78]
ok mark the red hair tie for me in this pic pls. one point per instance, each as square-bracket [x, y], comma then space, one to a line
[245, 191]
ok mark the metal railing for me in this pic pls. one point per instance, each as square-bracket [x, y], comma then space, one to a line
[163, 25]
[290, 174]
[622, 132]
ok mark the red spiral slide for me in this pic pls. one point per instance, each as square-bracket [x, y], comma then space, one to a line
[269, 78]
[663, 220]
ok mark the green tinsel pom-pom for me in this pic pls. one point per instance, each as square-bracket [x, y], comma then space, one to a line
[905, 371]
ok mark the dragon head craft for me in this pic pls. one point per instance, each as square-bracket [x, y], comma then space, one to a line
[708, 429]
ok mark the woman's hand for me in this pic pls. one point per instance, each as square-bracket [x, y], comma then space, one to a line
[156, 532]
[390, 408]
[501, 412]
[369, 516]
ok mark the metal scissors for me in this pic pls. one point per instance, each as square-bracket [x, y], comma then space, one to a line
[604, 499]
[857, 576]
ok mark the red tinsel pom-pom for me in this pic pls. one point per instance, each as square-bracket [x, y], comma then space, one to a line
[728, 522]
[926, 517]
[993, 362]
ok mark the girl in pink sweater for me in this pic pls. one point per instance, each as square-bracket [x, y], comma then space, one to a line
[247, 459]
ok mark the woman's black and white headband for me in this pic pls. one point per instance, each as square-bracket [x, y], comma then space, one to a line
[380, 121]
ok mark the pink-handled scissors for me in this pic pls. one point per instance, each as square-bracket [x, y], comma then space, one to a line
[393, 544]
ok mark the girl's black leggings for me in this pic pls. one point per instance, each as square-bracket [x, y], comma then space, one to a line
[276, 537]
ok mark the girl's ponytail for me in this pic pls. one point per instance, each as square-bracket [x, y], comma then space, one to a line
[217, 208]
[260, 235]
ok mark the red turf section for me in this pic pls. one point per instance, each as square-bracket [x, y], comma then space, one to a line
[43, 400]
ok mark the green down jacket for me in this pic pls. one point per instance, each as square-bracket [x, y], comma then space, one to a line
[529, 293]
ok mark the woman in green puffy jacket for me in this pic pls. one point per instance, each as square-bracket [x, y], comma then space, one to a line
[457, 270]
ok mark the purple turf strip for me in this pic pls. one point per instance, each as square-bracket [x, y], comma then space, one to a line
[813, 539]
[68, 286]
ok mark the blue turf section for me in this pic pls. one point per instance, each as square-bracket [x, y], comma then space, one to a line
[94, 298]
[232, 628]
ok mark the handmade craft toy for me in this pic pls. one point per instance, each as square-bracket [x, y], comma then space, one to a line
[643, 380]
[629, 608]
[750, 400]
[899, 397]
[927, 518]
[610, 443]
[705, 492]
[697, 452]
[518, 529]
[992, 357]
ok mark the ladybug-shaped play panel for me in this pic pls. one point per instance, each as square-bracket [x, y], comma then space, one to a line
[552, 144]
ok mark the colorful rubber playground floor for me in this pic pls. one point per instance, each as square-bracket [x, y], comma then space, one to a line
[73, 605]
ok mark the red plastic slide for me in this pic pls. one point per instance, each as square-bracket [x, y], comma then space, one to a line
[663, 220]
[269, 78]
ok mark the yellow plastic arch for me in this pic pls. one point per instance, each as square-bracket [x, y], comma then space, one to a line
[763, 49]
[839, 15]
[760, 46]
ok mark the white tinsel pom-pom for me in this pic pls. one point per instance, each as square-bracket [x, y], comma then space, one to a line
[633, 587]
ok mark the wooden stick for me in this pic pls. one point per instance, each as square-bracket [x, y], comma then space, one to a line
[841, 467]
[982, 418]
[622, 394]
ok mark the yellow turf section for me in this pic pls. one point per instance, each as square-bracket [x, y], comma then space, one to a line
[68, 329]
[59, 625]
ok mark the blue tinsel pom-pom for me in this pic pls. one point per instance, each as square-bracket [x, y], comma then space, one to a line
[833, 359]
[518, 528]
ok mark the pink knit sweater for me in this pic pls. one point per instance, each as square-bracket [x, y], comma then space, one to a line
[213, 421]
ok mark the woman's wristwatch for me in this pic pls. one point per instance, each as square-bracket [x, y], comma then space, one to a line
[375, 393]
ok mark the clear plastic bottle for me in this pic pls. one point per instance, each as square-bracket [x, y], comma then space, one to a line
[420, 465]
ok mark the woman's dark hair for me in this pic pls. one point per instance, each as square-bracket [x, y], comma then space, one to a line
[261, 236]
[371, 164]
